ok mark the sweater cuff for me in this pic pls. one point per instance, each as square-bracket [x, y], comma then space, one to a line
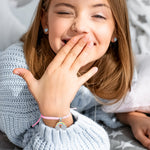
[83, 134]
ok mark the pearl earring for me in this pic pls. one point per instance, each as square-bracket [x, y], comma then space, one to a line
[115, 39]
[46, 30]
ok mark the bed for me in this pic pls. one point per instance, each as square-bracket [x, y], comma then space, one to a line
[121, 138]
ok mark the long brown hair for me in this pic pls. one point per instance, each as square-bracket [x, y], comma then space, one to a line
[114, 77]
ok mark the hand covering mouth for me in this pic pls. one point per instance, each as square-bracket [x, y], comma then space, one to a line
[66, 40]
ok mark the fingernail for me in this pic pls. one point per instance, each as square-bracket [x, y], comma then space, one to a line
[95, 69]
[74, 39]
[85, 38]
[16, 72]
[90, 44]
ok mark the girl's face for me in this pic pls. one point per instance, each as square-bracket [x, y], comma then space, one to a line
[68, 18]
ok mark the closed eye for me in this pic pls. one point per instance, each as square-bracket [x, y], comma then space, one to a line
[63, 13]
[99, 16]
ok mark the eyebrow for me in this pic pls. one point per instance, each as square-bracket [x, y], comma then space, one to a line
[64, 4]
[101, 5]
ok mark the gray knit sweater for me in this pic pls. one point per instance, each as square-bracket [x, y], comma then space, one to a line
[19, 111]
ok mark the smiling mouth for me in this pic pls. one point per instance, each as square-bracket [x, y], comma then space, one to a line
[65, 41]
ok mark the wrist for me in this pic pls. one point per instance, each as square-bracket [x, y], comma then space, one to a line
[52, 123]
[131, 116]
[61, 119]
[128, 118]
[55, 111]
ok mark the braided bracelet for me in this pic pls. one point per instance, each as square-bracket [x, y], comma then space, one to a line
[59, 125]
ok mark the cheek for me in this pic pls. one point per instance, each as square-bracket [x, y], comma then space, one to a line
[57, 28]
[54, 30]
[104, 36]
[55, 33]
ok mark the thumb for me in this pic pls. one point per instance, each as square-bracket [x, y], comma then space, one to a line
[140, 136]
[27, 76]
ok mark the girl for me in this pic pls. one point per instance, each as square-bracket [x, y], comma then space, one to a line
[70, 43]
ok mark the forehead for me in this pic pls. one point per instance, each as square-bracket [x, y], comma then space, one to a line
[82, 2]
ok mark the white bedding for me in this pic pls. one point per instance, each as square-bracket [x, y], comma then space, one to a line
[139, 15]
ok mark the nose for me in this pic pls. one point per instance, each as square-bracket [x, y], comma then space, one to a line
[80, 26]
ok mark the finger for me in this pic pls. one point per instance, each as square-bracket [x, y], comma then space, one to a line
[76, 50]
[82, 58]
[27, 76]
[59, 58]
[148, 133]
[140, 136]
[88, 75]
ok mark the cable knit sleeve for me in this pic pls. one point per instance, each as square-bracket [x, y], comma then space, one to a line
[84, 134]
[19, 111]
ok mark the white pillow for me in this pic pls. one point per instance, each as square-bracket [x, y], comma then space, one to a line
[15, 16]
[138, 99]
[24, 10]
[139, 16]
[18, 3]
[10, 27]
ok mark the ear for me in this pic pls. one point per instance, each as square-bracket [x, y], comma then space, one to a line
[44, 21]
[114, 37]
